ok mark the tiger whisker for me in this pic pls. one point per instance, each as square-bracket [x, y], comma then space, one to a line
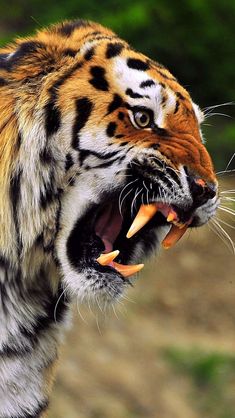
[79, 312]
[231, 159]
[214, 228]
[225, 223]
[147, 195]
[120, 195]
[228, 210]
[209, 115]
[225, 234]
[120, 206]
[227, 198]
[58, 301]
[224, 172]
[231, 191]
[218, 105]
[134, 199]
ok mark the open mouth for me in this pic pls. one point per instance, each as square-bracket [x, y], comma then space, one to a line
[110, 223]
[107, 237]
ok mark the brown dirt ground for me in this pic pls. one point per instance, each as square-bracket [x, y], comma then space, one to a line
[112, 364]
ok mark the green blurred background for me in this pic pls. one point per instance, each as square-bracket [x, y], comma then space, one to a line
[170, 354]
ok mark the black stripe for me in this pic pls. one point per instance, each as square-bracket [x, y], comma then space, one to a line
[50, 317]
[121, 115]
[111, 128]
[84, 154]
[133, 95]
[104, 37]
[46, 156]
[52, 112]
[178, 94]
[84, 108]
[19, 141]
[69, 162]
[9, 351]
[147, 83]
[13, 295]
[176, 106]
[89, 54]
[137, 64]
[91, 35]
[71, 181]
[3, 82]
[52, 116]
[49, 191]
[69, 52]
[110, 162]
[66, 29]
[98, 79]
[114, 49]
[115, 104]
[15, 198]
[119, 136]
[170, 78]
[164, 99]
[4, 263]
[160, 131]
[44, 322]
[25, 50]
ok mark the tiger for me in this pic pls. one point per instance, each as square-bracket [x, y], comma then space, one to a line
[102, 162]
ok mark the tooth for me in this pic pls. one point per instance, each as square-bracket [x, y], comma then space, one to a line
[146, 212]
[106, 259]
[174, 235]
[172, 216]
[126, 270]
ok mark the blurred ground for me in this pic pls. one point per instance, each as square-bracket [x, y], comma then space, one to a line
[169, 353]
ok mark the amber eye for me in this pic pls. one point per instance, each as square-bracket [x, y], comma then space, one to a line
[142, 118]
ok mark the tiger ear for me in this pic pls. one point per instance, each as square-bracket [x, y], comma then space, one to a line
[24, 59]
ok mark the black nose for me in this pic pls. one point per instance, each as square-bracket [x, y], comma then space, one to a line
[200, 190]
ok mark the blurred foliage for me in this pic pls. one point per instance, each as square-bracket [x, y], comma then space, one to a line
[220, 142]
[213, 376]
[193, 38]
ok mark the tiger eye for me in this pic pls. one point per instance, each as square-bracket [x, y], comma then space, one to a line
[142, 119]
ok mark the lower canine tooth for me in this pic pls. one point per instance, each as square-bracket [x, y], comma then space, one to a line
[146, 212]
[106, 259]
[127, 271]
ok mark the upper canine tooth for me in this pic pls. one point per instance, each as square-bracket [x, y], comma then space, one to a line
[106, 259]
[174, 235]
[146, 212]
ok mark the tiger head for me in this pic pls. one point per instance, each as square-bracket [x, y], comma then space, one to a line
[94, 135]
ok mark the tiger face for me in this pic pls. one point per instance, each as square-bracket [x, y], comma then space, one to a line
[108, 137]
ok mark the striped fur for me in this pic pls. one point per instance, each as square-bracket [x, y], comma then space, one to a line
[68, 96]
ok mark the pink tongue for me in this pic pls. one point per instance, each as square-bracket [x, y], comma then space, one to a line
[108, 226]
